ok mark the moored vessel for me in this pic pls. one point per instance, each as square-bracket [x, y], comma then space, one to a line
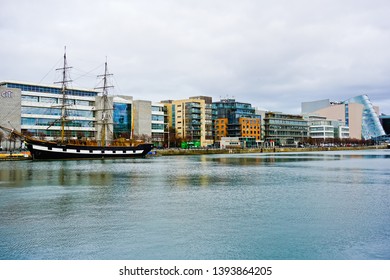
[51, 150]
[67, 148]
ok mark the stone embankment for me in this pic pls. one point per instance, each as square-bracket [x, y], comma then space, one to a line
[175, 152]
[178, 152]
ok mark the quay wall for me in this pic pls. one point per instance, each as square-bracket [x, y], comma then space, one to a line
[176, 152]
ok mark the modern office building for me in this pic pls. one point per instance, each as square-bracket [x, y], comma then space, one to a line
[142, 114]
[235, 119]
[10, 114]
[10, 102]
[371, 126]
[323, 129]
[385, 121]
[284, 129]
[158, 124]
[357, 113]
[122, 116]
[34, 109]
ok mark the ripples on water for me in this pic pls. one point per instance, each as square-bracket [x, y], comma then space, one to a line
[330, 205]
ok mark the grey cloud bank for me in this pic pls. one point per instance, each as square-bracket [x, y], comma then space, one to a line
[273, 54]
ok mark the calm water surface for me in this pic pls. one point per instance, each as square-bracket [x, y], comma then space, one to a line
[326, 205]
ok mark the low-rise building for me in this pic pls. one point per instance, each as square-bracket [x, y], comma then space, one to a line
[238, 142]
[284, 129]
[325, 130]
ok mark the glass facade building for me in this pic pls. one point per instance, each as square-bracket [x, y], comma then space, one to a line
[235, 119]
[385, 121]
[36, 109]
[40, 110]
[371, 126]
[122, 120]
[158, 125]
[358, 113]
[285, 129]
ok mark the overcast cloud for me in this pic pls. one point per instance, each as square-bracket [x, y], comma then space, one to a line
[273, 54]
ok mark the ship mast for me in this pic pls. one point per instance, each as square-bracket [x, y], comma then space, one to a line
[64, 89]
[106, 117]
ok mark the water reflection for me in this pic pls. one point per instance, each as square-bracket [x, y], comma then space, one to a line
[253, 206]
[57, 174]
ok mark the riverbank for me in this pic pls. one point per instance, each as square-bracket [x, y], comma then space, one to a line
[15, 156]
[177, 152]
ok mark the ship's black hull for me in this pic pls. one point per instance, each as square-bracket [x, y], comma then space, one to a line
[41, 150]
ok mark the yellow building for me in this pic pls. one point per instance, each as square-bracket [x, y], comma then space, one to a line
[191, 120]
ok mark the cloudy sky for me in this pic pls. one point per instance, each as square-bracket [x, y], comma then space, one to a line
[273, 54]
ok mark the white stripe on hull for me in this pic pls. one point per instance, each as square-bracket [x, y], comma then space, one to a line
[85, 151]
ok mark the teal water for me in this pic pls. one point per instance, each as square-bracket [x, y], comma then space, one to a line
[326, 205]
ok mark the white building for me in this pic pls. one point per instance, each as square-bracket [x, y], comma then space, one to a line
[322, 128]
[40, 108]
[158, 127]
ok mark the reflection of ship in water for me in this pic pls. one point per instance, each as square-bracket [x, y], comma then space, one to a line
[65, 149]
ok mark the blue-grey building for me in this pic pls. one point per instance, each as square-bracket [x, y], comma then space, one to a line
[234, 112]
[385, 121]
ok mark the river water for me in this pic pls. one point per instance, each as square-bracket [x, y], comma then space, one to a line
[318, 205]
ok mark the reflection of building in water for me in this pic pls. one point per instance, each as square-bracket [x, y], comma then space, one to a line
[12, 177]
[55, 176]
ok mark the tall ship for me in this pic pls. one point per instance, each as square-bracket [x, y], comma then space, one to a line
[65, 148]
